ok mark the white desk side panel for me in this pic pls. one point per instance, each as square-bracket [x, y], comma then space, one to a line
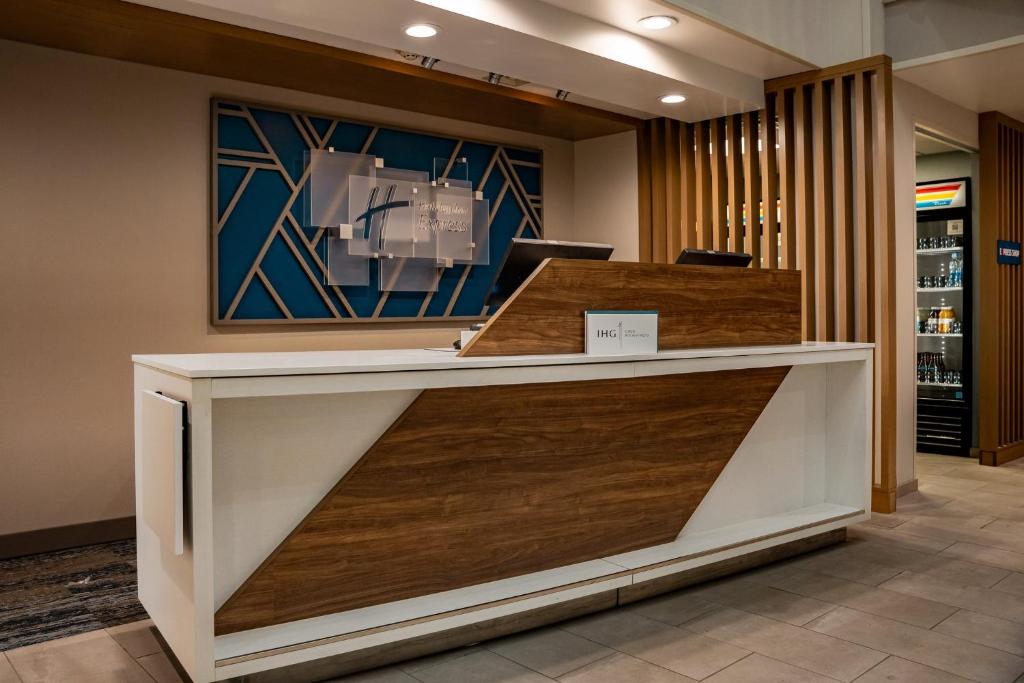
[780, 465]
[162, 469]
[166, 581]
[275, 458]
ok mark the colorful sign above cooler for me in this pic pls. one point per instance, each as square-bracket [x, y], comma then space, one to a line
[944, 195]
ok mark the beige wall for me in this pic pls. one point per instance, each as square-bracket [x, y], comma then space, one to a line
[607, 194]
[104, 197]
[913, 106]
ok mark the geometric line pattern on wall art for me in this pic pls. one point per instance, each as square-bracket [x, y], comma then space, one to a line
[267, 267]
[477, 484]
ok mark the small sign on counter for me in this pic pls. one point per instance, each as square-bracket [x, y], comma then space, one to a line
[615, 332]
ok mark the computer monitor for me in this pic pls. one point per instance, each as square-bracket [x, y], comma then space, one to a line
[706, 257]
[524, 255]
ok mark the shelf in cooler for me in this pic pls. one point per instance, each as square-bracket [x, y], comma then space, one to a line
[942, 250]
[940, 384]
[940, 289]
[936, 334]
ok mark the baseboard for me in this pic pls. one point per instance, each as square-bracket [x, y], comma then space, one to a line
[1001, 455]
[62, 537]
[882, 500]
[906, 487]
[382, 655]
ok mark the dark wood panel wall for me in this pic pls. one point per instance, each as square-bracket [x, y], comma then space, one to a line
[817, 161]
[1001, 316]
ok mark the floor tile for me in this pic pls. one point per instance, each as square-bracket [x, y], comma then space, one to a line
[413, 665]
[481, 666]
[158, 665]
[906, 608]
[621, 668]
[851, 569]
[900, 539]
[952, 481]
[389, 674]
[765, 670]
[550, 651]
[920, 645]
[889, 521]
[983, 554]
[137, 638]
[985, 630]
[682, 651]
[767, 601]
[791, 644]
[1014, 584]
[984, 600]
[898, 670]
[86, 658]
[7, 674]
[674, 608]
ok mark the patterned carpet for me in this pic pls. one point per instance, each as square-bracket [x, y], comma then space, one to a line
[58, 594]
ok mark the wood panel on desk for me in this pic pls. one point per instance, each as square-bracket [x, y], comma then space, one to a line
[698, 306]
[135, 33]
[476, 484]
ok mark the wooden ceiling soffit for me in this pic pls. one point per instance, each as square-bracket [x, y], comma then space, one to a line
[135, 33]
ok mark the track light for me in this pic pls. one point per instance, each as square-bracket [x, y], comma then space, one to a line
[429, 62]
[562, 95]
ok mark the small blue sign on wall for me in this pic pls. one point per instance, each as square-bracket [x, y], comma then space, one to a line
[1008, 253]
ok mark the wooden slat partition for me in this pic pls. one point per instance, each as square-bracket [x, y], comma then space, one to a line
[1000, 315]
[817, 163]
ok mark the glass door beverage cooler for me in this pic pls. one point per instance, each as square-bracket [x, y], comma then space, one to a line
[943, 324]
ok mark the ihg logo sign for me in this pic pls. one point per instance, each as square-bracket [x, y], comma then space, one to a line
[607, 334]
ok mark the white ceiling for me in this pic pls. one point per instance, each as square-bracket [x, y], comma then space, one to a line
[926, 145]
[692, 34]
[984, 80]
[591, 48]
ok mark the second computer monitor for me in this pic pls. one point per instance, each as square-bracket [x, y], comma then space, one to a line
[706, 257]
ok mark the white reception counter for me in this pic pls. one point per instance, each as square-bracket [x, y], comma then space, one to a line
[297, 506]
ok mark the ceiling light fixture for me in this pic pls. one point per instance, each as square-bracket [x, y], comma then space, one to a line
[421, 30]
[672, 99]
[657, 22]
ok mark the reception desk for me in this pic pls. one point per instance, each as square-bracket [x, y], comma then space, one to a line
[322, 507]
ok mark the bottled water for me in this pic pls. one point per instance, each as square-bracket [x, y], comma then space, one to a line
[956, 273]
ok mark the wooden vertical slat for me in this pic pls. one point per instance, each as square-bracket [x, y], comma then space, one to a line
[752, 188]
[769, 184]
[734, 135]
[824, 253]
[865, 228]
[886, 315]
[803, 179]
[787, 176]
[645, 200]
[719, 184]
[843, 148]
[689, 186]
[705, 228]
[673, 192]
[659, 211]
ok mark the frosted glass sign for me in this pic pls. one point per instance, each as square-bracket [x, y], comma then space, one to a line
[416, 226]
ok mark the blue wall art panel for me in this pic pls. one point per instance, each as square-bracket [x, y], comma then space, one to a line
[269, 265]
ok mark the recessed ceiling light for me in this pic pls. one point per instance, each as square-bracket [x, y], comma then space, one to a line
[421, 30]
[672, 99]
[657, 22]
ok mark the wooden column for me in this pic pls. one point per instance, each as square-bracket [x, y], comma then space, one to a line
[1000, 296]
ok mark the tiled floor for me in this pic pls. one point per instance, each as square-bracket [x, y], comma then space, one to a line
[931, 594]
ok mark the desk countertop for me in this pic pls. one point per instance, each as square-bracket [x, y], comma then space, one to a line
[200, 365]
